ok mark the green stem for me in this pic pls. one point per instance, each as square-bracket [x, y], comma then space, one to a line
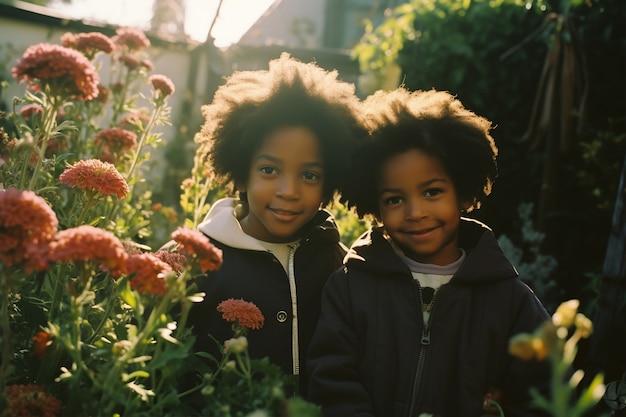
[5, 331]
[49, 121]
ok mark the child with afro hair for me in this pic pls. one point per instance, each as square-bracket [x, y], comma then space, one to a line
[279, 139]
[418, 321]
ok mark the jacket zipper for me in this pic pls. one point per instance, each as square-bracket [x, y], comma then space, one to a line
[295, 351]
[421, 361]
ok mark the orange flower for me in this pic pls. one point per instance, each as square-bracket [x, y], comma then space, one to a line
[88, 43]
[194, 243]
[146, 274]
[162, 84]
[131, 38]
[66, 71]
[116, 138]
[41, 342]
[175, 260]
[87, 243]
[93, 174]
[31, 401]
[242, 312]
[25, 219]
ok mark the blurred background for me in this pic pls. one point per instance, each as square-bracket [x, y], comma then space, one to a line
[550, 75]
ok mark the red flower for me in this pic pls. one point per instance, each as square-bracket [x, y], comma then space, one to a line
[162, 84]
[66, 71]
[41, 342]
[116, 139]
[196, 244]
[25, 219]
[88, 43]
[146, 274]
[31, 401]
[93, 174]
[131, 38]
[86, 243]
[245, 313]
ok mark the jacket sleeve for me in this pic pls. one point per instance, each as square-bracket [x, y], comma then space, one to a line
[333, 356]
[520, 376]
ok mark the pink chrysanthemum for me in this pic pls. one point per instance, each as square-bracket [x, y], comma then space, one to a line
[31, 401]
[134, 120]
[31, 110]
[162, 84]
[65, 71]
[146, 274]
[244, 313]
[131, 38]
[176, 260]
[194, 243]
[130, 62]
[116, 138]
[87, 243]
[95, 175]
[88, 43]
[25, 219]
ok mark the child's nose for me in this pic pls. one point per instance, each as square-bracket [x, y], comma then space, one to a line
[414, 210]
[288, 188]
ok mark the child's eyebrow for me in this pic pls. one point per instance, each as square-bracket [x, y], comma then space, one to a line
[273, 159]
[424, 184]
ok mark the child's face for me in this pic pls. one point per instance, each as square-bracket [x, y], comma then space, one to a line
[285, 185]
[419, 207]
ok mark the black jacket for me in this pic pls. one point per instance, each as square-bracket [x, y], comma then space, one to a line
[252, 273]
[372, 356]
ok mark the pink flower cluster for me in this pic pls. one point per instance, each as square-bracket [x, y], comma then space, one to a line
[95, 175]
[64, 71]
[194, 243]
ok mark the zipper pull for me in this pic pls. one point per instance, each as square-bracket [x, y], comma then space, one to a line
[425, 336]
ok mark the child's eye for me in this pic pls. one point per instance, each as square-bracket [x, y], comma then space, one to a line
[311, 176]
[432, 192]
[267, 170]
[392, 200]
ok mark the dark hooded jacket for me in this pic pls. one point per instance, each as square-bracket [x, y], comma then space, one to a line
[372, 355]
[252, 273]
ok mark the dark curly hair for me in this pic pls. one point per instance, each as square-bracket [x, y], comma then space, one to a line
[434, 122]
[253, 104]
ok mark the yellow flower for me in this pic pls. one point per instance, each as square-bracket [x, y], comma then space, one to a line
[583, 325]
[566, 313]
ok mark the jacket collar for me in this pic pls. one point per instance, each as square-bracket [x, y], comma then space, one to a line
[221, 224]
[485, 260]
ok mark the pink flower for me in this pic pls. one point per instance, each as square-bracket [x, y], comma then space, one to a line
[162, 84]
[88, 43]
[146, 273]
[31, 110]
[25, 219]
[175, 260]
[87, 243]
[130, 62]
[116, 139]
[242, 312]
[194, 243]
[95, 175]
[131, 38]
[65, 71]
